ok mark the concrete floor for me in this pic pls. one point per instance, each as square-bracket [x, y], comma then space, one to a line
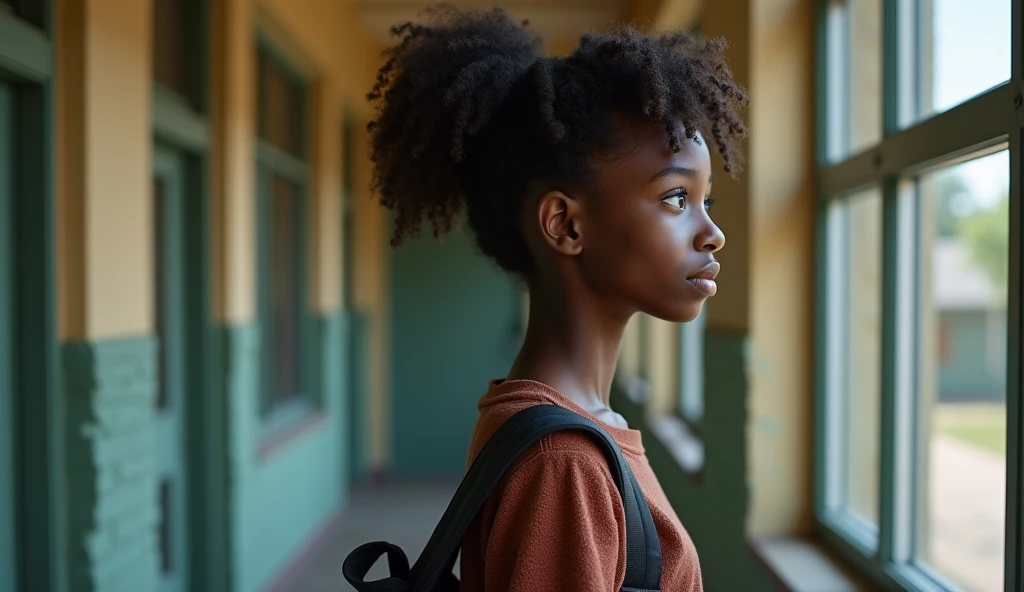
[966, 522]
[403, 514]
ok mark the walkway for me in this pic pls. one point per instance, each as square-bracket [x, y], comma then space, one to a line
[966, 521]
[401, 514]
[967, 494]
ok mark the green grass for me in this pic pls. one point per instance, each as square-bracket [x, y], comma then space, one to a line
[979, 425]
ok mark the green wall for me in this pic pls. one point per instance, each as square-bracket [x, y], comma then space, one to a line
[275, 504]
[713, 506]
[278, 503]
[109, 391]
[357, 389]
[456, 323]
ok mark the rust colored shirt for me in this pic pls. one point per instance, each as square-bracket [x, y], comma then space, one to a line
[555, 521]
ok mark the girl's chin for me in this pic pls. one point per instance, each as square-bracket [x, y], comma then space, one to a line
[681, 313]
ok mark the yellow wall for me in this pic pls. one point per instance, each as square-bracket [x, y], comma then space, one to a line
[104, 165]
[781, 432]
[103, 170]
[325, 40]
[766, 284]
[370, 294]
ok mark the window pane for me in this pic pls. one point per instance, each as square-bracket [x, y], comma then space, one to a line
[963, 225]
[286, 292]
[281, 108]
[691, 367]
[30, 11]
[964, 50]
[854, 365]
[854, 73]
[169, 62]
[159, 304]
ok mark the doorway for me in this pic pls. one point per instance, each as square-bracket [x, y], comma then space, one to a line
[8, 381]
[171, 286]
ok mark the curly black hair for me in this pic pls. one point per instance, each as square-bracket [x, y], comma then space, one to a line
[469, 112]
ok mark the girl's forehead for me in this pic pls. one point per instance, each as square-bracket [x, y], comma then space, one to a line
[643, 144]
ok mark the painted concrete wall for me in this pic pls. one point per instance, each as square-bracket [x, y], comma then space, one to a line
[758, 355]
[282, 497]
[103, 168]
[278, 498]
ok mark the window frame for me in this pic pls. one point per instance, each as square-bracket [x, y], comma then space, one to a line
[985, 122]
[271, 160]
[27, 57]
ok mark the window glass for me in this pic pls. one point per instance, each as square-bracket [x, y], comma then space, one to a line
[286, 293]
[854, 364]
[963, 232]
[963, 49]
[169, 46]
[282, 112]
[854, 76]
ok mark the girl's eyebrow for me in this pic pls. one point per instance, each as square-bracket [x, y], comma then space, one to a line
[681, 171]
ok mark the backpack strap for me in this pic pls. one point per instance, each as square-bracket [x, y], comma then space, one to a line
[515, 436]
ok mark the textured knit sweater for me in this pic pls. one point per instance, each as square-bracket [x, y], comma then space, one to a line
[555, 521]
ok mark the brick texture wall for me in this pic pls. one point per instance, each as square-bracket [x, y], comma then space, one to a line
[112, 501]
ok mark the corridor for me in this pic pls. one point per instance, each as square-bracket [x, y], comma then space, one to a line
[400, 513]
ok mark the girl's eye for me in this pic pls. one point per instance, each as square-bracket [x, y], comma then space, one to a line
[708, 202]
[676, 200]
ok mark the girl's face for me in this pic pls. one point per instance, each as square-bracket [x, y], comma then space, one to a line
[649, 242]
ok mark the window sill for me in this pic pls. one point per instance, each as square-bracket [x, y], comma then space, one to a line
[286, 424]
[685, 447]
[800, 564]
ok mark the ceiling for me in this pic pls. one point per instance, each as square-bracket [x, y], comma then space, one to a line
[559, 22]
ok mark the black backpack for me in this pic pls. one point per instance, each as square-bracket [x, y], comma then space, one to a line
[433, 570]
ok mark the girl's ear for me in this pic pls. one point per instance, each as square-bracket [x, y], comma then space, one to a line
[561, 224]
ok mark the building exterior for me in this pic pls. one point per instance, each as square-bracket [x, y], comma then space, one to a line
[206, 342]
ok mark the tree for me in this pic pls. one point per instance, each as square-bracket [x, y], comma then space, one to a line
[986, 235]
[953, 201]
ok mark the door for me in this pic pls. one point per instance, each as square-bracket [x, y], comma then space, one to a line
[456, 323]
[169, 283]
[8, 435]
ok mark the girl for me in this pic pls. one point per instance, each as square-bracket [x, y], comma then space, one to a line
[589, 178]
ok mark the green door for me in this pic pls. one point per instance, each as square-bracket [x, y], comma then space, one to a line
[456, 323]
[8, 437]
[169, 292]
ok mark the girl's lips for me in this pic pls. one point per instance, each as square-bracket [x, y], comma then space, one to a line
[704, 284]
[704, 280]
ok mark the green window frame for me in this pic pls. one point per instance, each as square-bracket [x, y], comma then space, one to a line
[906, 148]
[26, 68]
[180, 120]
[289, 387]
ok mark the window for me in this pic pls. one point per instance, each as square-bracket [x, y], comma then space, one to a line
[963, 49]
[854, 77]
[854, 320]
[691, 369]
[919, 292]
[32, 12]
[178, 48]
[283, 259]
[961, 274]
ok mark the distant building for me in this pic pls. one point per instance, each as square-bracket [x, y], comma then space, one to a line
[972, 326]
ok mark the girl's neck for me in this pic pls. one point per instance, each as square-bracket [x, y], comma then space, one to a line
[573, 348]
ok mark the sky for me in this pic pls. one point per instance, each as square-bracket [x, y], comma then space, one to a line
[972, 44]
